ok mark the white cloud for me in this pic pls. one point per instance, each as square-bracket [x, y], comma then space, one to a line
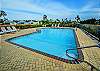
[90, 9]
[59, 9]
[23, 15]
[54, 9]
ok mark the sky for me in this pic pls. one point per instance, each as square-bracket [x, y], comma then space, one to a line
[35, 9]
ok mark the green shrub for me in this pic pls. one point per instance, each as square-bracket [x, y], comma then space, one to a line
[69, 25]
[48, 25]
[89, 29]
[23, 26]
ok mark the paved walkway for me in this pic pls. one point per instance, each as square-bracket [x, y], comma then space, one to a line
[15, 58]
[91, 55]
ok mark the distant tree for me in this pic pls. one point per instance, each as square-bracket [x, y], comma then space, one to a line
[45, 20]
[77, 18]
[3, 13]
[62, 20]
[50, 20]
[44, 17]
[89, 21]
[66, 21]
[93, 21]
[58, 20]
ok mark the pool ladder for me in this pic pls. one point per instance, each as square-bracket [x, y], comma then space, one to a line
[77, 62]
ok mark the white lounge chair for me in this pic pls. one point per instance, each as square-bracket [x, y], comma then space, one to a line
[58, 25]
[10, 29]
[5, 30]
[55, 25]
[52, 25]
[13, 28]
[1, 32]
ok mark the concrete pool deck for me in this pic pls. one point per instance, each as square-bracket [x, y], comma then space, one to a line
[15, 58]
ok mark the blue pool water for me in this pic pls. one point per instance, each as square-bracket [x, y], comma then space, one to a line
[51, 41]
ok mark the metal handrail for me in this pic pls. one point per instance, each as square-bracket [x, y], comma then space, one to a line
[98, 45]
[92, 67]
[68, 54]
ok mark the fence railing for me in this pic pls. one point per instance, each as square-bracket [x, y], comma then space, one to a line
[93, 30]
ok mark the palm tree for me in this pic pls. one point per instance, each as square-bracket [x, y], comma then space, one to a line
[66, 20]
[50, 20]
[77, 21]
[3, 14]
[58, 20]
[45, 17]
[77, 18]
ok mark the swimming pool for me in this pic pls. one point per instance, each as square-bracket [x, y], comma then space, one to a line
[52, 41]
